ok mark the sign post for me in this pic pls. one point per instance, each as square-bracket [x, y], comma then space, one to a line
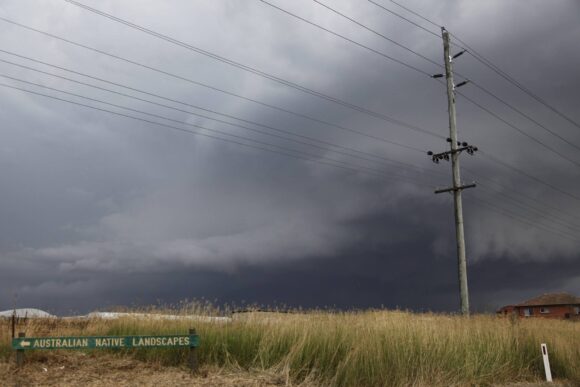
[192, 354]
[19, 352]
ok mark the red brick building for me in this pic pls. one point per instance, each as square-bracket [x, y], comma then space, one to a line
[552, 305]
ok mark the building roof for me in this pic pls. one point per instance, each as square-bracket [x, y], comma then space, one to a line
[25, 312]
[551, 299]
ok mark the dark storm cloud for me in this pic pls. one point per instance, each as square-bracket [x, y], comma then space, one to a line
[101, 210]
[375, 272]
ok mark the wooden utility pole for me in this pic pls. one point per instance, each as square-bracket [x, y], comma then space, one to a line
[460, 236]
[456, 148]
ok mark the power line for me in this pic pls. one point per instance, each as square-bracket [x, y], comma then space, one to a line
[404, 18]
[201, 84]
[189, 104]
[519, 218]
[481, 88]
[217, 89]
[377, 33]
[546, 215]
[291, 153]
[469, 99]
[480, 58]
[477, 85]
[571, 235]
[261, 145]
[348, 39]
[416, 14]
[521, 131]
[256, 71]
[179, 102]
[379, 159]
[148, 114]
[500, 188]
[181, 123]
[523, 173]
[487, 92]
[436, 34]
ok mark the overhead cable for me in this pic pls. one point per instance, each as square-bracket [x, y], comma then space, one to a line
[256, 71]
[261, 145]
[217, 89]
[521, 219]
[378, 34]
[531, 177]
[375, 159]
[480, 58]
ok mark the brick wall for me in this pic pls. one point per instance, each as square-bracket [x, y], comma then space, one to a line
[552, 311]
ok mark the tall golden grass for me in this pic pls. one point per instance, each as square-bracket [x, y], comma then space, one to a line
[371, 348]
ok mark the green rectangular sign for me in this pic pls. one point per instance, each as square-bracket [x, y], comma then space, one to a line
[105, 342]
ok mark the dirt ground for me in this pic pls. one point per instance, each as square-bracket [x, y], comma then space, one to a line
[78, 369]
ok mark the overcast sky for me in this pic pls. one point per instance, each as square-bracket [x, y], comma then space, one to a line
[99, 209]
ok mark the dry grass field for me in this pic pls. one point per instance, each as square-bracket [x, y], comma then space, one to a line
[372, 348]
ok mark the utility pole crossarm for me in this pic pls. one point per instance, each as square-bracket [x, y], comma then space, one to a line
[453, 189]
[446, 155]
